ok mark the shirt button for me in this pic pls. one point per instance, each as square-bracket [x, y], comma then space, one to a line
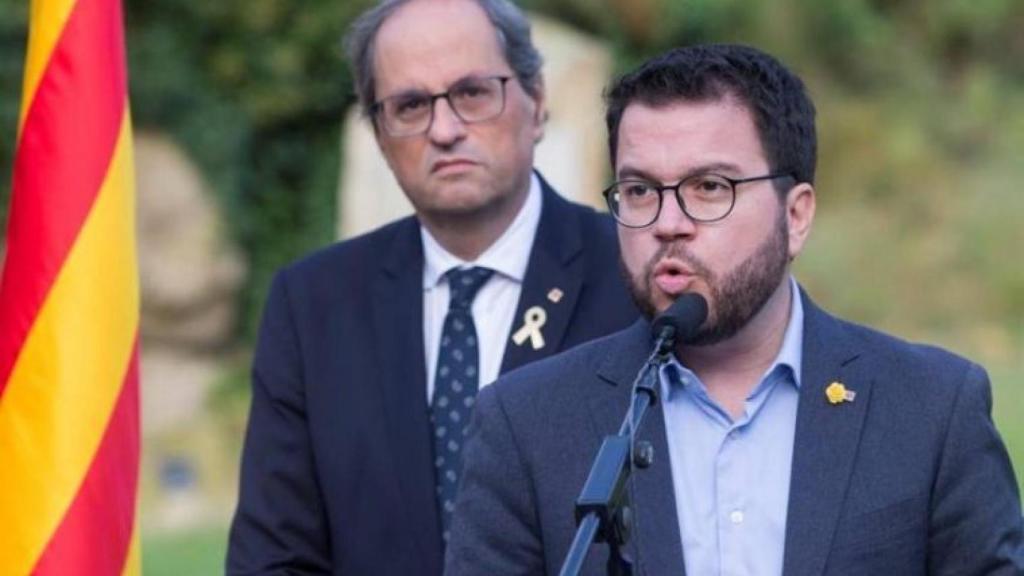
[736, 516]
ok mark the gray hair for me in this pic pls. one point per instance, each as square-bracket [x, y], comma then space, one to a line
[510, 24]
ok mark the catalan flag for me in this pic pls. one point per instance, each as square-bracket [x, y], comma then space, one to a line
[69, 306]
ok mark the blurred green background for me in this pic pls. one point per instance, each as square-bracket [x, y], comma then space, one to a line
[921, 124]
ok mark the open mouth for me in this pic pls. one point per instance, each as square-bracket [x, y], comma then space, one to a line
[673, 277]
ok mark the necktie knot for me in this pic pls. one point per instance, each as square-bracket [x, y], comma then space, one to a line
[464, 283]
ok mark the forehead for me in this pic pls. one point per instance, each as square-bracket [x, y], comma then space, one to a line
[670, 139]
[428, 44]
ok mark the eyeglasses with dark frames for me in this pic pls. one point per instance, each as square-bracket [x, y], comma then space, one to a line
[472, 99]
[636, 203]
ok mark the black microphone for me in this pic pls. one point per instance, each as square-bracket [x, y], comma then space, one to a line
[603, 506]
[680, 320]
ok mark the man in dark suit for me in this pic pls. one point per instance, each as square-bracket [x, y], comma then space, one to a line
[371, 351]
[786, 441]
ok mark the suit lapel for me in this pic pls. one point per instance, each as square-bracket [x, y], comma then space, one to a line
[826, 442]
[553, 280]
[655, 543]
[398, 341]
[824, 451]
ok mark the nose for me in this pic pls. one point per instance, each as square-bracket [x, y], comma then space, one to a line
[672, 222]
[446, 128]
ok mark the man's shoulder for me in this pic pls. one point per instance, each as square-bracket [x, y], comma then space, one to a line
[908, 371]
[904, 353]
[354, 255]
[591, 220]
[571, 230]
[566, 374]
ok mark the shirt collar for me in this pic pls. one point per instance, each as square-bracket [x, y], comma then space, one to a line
[508, 256]
[791, 353]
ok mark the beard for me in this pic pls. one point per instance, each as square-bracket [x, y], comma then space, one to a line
[734, 298]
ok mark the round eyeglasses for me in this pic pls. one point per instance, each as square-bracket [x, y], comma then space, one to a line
[473, 99]
[636, 203]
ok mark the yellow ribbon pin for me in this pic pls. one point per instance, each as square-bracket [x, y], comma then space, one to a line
[837, 393]
[533, 320]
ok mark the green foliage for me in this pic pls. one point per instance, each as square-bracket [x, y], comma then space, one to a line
[13, 36]
[1007, 400]
[200, 552]
[919, 120]
[255, 90]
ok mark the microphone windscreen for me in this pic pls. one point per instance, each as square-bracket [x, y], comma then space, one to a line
[685, 316]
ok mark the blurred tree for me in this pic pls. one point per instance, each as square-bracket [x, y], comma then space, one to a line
[13, 38]
[255, 90]
[919, 101]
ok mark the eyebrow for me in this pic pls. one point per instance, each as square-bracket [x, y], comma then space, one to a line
[407, 93]
[723, 168]
[412, 92]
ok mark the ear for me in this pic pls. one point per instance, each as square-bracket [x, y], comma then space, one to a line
[540, 110]
[800, 206]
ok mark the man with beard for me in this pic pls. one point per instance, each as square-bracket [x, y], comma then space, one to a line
[786, 441]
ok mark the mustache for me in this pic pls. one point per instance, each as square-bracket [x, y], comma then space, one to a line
[677, 251]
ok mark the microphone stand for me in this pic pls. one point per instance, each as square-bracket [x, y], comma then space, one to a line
[603, 511]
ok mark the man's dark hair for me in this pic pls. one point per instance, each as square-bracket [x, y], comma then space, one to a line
[510, 24]
[783, 113]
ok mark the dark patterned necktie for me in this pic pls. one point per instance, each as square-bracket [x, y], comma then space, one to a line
[455, 386]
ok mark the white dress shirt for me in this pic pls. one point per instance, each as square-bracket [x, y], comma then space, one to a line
[495, 304]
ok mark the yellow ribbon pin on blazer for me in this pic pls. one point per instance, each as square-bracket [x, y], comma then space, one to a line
[837, 393]
[533, 321]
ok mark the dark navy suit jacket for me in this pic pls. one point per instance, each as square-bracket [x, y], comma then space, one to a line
[337, 473]
[911, 478]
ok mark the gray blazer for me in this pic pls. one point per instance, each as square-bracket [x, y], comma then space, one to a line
[910, 478]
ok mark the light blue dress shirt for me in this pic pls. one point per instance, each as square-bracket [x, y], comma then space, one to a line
[731, 477]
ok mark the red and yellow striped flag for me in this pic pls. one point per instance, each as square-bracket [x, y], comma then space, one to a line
[69, 306]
